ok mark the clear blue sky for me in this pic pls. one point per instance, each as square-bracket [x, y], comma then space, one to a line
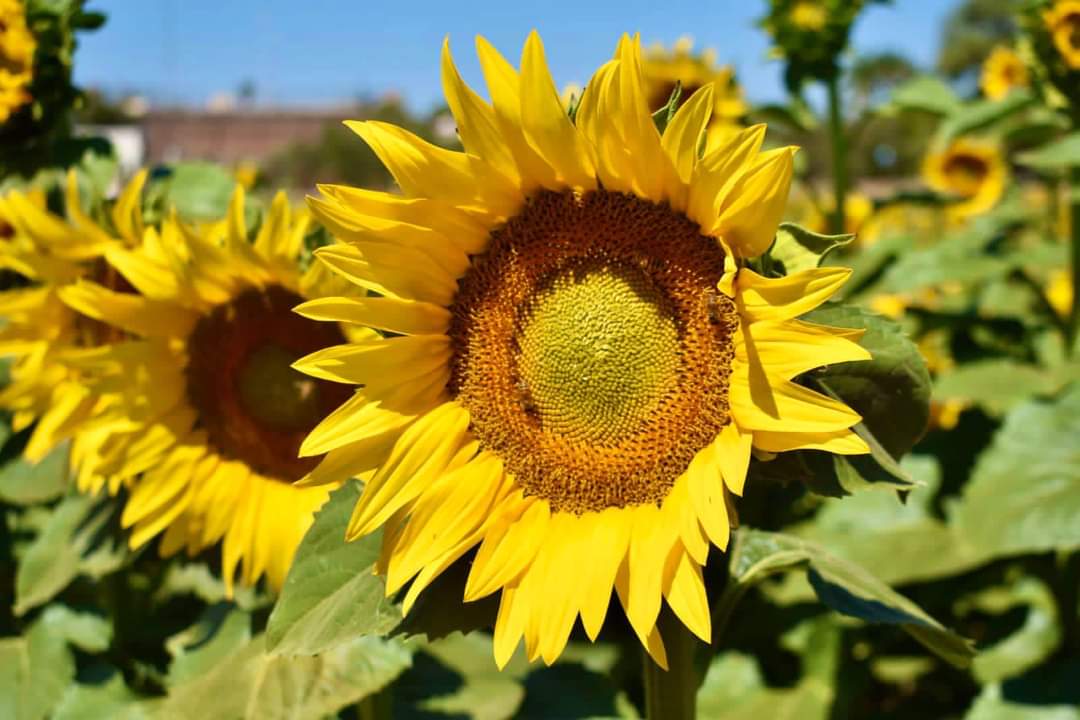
[319, 51]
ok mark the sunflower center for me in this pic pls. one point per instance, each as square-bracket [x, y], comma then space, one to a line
[599, 348]
[592, 348]
[252, 405]
[966, 172]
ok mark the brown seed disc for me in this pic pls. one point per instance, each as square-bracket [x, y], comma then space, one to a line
[254, 407]
[592, 348]
[966, 172]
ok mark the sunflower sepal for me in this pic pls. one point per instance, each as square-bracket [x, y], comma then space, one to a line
[663, 115]
[796, 248]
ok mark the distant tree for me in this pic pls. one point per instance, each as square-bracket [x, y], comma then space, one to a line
[971, 32]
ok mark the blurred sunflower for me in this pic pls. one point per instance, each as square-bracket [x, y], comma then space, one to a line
[1063, 22]
[41, 333]
[662, 69]
[581, 364]
[1002, 72]
[17, 46]
[974, 170]
[205, 414]
[1059, 292]
[857, 210]
[809, 15]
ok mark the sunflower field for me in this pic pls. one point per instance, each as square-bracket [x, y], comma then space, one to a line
[628, 399]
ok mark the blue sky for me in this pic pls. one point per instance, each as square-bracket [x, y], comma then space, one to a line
[321, 51]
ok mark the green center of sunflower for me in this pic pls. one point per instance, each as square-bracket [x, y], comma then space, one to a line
[599, 349]
[252, 405]
[592, 348]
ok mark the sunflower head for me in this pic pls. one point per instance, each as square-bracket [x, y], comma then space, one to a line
[17, 46]
[810, 35]
[662, 69]
[577, 360]
[1062, 21]
[1003, 71]
[973, 170]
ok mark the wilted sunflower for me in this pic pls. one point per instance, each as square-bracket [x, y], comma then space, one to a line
[580, 365]
[1002, 72]
[662, 69]
[205, 414]
[1063, 22]
[41, 333]
[17, 46]
[973, 170]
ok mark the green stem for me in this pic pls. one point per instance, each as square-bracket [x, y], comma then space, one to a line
[672, 694]
[1074, 226]
[839, 156]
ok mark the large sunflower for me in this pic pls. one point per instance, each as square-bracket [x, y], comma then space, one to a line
[971, 169]
[580, 363]
[41, 333]
[17, 46]
[662, 69]
[205, 414]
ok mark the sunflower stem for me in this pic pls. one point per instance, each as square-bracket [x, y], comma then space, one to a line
[672, 694]
[1074, 231]
[838, 221]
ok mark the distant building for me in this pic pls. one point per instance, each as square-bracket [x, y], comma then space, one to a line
[230, 136]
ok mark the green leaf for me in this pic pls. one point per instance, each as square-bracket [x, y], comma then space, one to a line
[957, 258]
[35, 669]
[220, 632]
[926, 93]
[250, 684]
[990, 705]
[482, 691]
[995, 385]
[74, 541]
[982, 114]
[26, 483]
[1057, 155]
[734, 687]
[796, 116]
[331, 594]
[800, 249]
[111, 699]
[843, 586]
[663, 116]
[1024, 493]
[1031, 644]
[200, 190]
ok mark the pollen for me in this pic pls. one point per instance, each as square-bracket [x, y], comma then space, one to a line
[592, 348]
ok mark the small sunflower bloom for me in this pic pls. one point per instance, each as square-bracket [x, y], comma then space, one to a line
[1063, 22]
[1002, 72]
[204, 414]
[973, 170]
[809, 15]
[41, 334]
[580, 362]
[17, 47]
[662, 69]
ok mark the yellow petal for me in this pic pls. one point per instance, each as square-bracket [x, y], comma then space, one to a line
[135, 314]
[682, 137]
[784, 298]
[840, 442]
[685, 593]
[753, 209]
[764, 403]
[407, 317]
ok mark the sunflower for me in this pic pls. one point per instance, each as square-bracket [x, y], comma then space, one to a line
[973, 170]
[205, 414]
[580, 362]
[1063, 22]
[1059, 292]
[17, 46]
[662, 69]
[41, 333]
[1002, 72]
[857, 211]
[809, 15]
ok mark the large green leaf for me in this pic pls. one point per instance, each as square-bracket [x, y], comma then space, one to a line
[250, 684]
[926, 93]
[1024, 493]
[74, 541]
[110, 699]
[331, 594]
[35, 669]
[200, 190]
[843, 586]
[991, 705]
[24, 483]
[994, 385]
[220, 632]
[982, 114]
[800, 249]
[1057, 155]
